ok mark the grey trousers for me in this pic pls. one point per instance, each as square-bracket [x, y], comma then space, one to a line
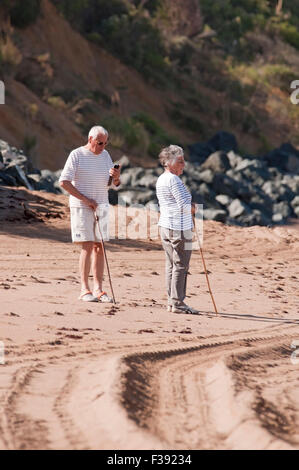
[174, 243]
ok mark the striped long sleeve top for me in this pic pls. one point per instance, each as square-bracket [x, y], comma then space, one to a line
[174, 201]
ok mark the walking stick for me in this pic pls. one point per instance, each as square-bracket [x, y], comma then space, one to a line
[204, 265]
[105, 256]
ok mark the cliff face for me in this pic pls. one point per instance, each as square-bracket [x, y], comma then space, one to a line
[56, 60]
[59, 83]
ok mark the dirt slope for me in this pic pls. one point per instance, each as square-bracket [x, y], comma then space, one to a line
[70, 63]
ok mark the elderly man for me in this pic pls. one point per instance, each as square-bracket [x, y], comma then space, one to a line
[176, 226]
[85, 177]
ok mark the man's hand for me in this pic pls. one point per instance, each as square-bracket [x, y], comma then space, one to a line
[115, 173]
[90, 203]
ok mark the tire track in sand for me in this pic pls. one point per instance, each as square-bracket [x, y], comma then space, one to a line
[168, 399]
[188, 397]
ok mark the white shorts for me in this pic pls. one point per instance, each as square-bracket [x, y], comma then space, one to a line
[84, 226]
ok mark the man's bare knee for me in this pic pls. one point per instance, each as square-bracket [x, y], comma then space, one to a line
[87, 246]
[98, 248]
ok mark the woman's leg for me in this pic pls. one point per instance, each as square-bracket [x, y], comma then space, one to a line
[181, 260]
[168, 249]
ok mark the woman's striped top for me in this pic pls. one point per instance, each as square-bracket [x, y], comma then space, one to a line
[174, 201]
[89, 173]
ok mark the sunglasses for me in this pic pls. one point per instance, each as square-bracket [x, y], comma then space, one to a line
[101, 143]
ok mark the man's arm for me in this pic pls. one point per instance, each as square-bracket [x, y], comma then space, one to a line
[70, 188]
[115, 173]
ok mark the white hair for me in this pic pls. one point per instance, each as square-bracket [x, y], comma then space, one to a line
[96, 130]
[170, 154]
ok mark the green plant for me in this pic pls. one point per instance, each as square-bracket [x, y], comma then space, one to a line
[29, 143]
[9, 53]
[68, 95]
[124, 30]
[56, 102]
[290, 34]
[190, 122]
[23, 13]
[125, 133]
[157, 136]
[99, 95]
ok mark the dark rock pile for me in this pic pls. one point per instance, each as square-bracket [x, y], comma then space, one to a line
[16, 169]
[233, 189]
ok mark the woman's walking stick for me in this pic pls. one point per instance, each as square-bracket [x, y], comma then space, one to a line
[105, 256]
[204, 265]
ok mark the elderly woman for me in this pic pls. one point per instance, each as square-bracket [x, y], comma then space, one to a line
[176, 226]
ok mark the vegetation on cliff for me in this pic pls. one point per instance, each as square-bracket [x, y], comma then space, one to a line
[205, 66]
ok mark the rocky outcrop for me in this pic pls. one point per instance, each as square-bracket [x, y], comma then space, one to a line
[233, 189]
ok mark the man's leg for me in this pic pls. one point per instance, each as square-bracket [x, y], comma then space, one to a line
[97, 267]
[84, 264]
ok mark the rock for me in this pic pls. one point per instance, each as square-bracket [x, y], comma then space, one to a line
[256, 217]
[286, 158]
[234, 159]
[271, 189]
[224, 184]
[148, 180]
[282, 208]
[224, 141]
[7, 180]
[295, 202]
[277, 218]
[126, 179]
[14, 170]
[135, 196]
[292, 182]
[206, 176]
[199, 152]
[223, 199]
[237, 208]
[58, 173]
[217, 163]
[136, 173]
[124, 162]
[215, 214]
[235, 190]
[261, 202]
[4, 145]
[48, 175]
[206, 192]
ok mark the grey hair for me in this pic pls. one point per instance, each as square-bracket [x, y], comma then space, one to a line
[170, 154]
[96, 130]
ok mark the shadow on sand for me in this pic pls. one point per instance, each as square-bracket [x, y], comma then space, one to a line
[237, 316]
[46, 231]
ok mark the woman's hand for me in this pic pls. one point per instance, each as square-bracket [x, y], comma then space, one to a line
[193, 208]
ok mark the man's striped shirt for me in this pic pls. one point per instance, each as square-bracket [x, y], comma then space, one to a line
[174, 201]
[89, 173]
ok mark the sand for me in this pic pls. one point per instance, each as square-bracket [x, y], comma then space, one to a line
[82, 375]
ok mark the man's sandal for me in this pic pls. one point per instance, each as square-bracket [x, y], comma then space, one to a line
[87, 297]
[103, 297]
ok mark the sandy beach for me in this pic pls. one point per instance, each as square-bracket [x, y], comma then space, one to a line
[80, 375]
